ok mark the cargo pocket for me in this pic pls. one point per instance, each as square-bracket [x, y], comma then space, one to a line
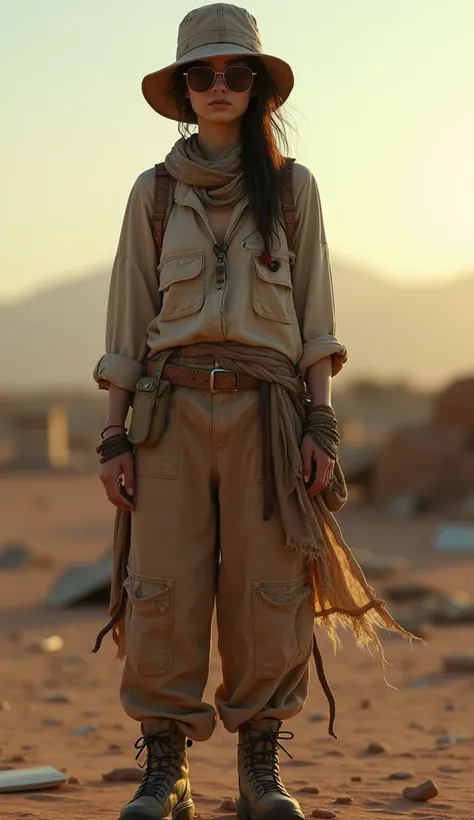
[150, 404]
[273, 291]
[181, 284]
[149, 623]
[283, 620]
[162, 459]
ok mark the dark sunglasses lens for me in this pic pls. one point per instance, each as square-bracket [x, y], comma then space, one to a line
[238, 78]
[200, 78]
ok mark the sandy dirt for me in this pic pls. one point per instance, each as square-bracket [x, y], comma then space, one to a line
[70, 521]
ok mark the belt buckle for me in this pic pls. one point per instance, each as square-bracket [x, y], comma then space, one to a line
[212, 381]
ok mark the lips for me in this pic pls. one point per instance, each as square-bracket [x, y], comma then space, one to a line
[219, 102]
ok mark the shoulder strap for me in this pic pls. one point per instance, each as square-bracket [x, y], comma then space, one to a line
[288, 202]
[162, 205]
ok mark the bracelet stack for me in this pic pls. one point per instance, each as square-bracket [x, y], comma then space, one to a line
[113, 446]
[321, 426]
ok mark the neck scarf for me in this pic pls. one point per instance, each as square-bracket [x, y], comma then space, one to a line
[219, 183]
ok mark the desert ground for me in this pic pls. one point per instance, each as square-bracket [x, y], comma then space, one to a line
[425, 728]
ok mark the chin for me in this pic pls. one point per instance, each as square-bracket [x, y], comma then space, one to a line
[221, 117]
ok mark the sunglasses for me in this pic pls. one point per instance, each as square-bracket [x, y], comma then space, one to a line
[237, 78]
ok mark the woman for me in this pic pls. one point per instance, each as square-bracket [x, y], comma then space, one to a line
[231, 479]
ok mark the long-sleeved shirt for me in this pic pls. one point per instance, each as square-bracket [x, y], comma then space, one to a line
[187, 298]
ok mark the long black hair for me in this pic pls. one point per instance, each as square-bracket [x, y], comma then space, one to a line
[264, 140]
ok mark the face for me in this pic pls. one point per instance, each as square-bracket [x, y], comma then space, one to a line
[219, 105]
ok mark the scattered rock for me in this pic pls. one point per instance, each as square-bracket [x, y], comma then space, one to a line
[334, 753]
[228, 804]
[5, 706]
[90, 713]
[317, 717]
[114, 747]
[48, 645]
[15, 555]
[402, 775]
[415, 725]
[309, 790]
[51, 721]
[453, 609]
[57, 697]
[450, 706]
[365, 704]
[129, 774]
[6, 768]
[376, 749]
[407, 505]
[422, 793]
[74, 781]
[409, 593]
[84, 730]
[459, 663]
[17, 759]
[455, 537]
[356, 779]
[446, 740]
[324, 814]
[378, 567]
[344, 801]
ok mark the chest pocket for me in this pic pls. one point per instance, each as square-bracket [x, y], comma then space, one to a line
[273, 291]
[181, 278]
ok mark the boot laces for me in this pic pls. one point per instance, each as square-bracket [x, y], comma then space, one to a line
[262, 765]
[161, 764]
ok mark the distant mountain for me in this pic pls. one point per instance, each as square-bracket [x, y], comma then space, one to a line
[422, 333]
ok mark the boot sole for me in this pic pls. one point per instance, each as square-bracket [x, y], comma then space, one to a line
[244, 813]
[185, 811]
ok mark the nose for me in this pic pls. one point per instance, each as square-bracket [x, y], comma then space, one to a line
[219, 83]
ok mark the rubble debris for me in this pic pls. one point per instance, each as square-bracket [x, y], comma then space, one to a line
[40, 777]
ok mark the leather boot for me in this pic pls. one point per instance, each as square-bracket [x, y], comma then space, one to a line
[165, 791]
[262, 793]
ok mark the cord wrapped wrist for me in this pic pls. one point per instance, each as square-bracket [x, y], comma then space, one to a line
[113, 446]
[321, 427]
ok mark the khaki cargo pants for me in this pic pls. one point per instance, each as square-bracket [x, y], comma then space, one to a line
[199, 541]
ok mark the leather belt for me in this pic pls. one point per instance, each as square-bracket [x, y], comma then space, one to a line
[216, 381]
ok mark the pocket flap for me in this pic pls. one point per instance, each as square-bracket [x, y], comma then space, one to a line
[282, 276]
[180, 269]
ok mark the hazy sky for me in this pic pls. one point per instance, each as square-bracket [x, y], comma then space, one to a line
[383, 102]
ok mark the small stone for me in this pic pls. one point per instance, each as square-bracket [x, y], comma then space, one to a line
[17, 759]
[48, 645]
[74, 781]
[84, 730]
[459, 663]
[365, 704]
[15, 555]
[450, 706]
[228, 804]
[417, 726]
[7, 768]
[114, 747]
[57, 697]
[356, 779]
[324, 814]
[317, 717]
[91, 713]
[129, 774]
[309, 790]
[402, 775]
[5, 706]
[376, 749]
[446, 740]
[344, 801]
[422, 793]
[50, 721]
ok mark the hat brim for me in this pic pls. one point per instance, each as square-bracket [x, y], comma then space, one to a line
[156, 86]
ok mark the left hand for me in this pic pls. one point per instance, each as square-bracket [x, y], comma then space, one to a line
[324, 465]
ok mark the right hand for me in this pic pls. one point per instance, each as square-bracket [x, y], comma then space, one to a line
[114, 472]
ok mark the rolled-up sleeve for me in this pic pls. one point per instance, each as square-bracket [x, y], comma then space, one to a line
[312, 278]
[134, 300]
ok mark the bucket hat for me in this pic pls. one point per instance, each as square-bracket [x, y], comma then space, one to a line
[217, 30]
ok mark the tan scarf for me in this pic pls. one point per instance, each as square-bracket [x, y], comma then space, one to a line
[219, 182]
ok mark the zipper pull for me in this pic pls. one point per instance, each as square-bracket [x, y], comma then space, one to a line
[220, 250]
